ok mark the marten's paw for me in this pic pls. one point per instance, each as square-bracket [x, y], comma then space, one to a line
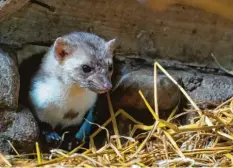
[52, 138]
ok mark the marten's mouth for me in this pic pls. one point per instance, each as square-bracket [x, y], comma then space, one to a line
[102, 92]
[98, 91]
[95, 89]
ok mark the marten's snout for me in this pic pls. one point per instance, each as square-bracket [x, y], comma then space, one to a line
[107, 85]
[100, 83]
[105, 82]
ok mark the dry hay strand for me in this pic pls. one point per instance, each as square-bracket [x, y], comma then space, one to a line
[206, 141]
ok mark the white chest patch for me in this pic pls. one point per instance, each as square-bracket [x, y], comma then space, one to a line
[53, 101]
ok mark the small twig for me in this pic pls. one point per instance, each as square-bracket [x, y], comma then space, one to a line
[38, 153]
[116, 150]
[102, 148]
[5, 160]
[76, 149]
[13, 147]
[161, 122]
[114, 123]
[101, 127]
[146, 140]
[165, 147]
[224, 103]
[181, 88]
[156, 91]
[88, 158]
[59, 152]
[125, 137]
[169, 137]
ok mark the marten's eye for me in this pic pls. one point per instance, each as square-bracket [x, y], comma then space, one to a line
[110, 67]
[86, 68]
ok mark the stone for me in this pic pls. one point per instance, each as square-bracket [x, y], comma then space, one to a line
[11, 50]
[9, 82]
[133, 74]
[127, 93]
[127, 97]
[205, 87]
[201, 83]
[20, 128]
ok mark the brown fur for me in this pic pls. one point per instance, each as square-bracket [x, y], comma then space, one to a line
[71, 115]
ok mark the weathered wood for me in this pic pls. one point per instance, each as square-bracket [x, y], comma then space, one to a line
[223, 8]
[8, 7]
[182, 33]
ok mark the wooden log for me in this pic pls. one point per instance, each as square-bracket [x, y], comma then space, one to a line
[8, 7]
[180, 32]
[223, 8]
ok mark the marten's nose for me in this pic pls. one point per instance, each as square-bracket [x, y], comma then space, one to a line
[107, 85]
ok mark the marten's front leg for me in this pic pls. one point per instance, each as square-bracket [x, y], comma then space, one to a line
[49, 135]
[78, 134]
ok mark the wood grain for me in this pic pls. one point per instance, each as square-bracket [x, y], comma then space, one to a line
[8, 7]
[181, 32]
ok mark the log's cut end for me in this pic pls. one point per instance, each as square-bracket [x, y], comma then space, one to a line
[7, 7]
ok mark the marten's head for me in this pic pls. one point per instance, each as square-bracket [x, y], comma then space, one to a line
[85, 59]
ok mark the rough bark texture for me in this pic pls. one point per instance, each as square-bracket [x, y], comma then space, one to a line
[181, 32]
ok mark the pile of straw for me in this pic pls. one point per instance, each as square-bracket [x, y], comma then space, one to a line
[206, 141]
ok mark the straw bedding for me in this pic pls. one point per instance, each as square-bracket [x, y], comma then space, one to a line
[205, 141]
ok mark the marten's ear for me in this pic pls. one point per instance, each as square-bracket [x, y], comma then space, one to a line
[62, 49]
[110, 45]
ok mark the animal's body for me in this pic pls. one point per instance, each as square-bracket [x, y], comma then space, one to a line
[62, 104]
[76, 68]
